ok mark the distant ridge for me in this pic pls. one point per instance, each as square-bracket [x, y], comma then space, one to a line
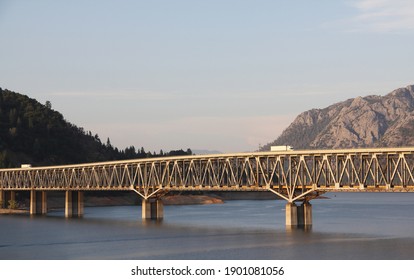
[371, 121]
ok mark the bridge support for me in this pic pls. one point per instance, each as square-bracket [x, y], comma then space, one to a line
[38, 202]
[305, 214]
[73, 204]
[5, 197]
[298, 216]
[152, 209]
[291, 214]
[2, 199]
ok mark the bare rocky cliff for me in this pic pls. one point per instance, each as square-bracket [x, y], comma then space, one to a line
[371, 121]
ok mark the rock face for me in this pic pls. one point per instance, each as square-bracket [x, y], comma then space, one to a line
[371, 121]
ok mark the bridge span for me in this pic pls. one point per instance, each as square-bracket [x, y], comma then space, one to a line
[295, 176]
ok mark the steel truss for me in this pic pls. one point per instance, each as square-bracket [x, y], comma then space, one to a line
[292, 175]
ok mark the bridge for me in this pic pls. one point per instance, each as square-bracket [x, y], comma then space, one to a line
[295, 176]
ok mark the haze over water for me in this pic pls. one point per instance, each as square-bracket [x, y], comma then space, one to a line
[347, 226]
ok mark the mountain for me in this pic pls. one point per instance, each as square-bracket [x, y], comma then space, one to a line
[33, 133]
[371, 121]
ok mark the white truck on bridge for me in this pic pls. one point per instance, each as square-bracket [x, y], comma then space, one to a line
[281, 148]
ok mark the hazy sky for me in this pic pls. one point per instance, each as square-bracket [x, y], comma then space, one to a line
[219, 75]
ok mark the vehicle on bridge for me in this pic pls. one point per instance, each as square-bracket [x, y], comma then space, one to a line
[281, 148]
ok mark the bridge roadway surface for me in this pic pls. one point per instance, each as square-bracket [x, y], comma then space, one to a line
[298, 175]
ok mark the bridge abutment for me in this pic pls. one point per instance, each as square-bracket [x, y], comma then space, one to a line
[38, 202]
[298, 215]
[152, 209]
[73, 204]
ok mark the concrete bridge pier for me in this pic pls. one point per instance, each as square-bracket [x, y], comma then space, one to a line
[5, 197]
[38, 202]
[291, 214]
[73, 204]
[298, 215]
[152, 208]
[305, 214]
[2, 199]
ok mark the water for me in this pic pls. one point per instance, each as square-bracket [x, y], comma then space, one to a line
[347, 226]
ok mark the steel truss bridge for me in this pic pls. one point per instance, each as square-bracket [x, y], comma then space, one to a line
[291, 175]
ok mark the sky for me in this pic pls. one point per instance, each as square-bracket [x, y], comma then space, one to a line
[223, 75]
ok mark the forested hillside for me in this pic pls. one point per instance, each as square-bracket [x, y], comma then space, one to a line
[33, 133]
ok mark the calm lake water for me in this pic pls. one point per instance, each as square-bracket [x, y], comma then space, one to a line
[346, 226]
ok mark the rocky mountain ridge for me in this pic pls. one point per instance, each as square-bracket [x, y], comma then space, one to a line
[370, 121]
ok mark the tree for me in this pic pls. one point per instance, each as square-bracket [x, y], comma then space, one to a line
[48, 105]
[13, 204]
[108, 143]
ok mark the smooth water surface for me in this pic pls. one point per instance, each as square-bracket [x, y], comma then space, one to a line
[346, 226]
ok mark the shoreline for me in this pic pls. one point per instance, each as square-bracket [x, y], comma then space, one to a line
[191, 200]
[13, 211]
[57, 203]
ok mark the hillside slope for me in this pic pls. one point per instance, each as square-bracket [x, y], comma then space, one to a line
[33, 133]
[371, 121]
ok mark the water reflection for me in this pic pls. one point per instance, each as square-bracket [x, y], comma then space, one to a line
[301, 228]
[152, 222]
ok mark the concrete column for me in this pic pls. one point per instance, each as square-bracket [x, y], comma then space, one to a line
[159, 208]
[291, 214]
[2, 199]
[33, 203]
[152, 209]
[44, 203]
[73, 204]
[68, 204]
[146, 209]
[305, 214]
[80, 204]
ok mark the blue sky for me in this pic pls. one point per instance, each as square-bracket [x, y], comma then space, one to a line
[219, 75]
